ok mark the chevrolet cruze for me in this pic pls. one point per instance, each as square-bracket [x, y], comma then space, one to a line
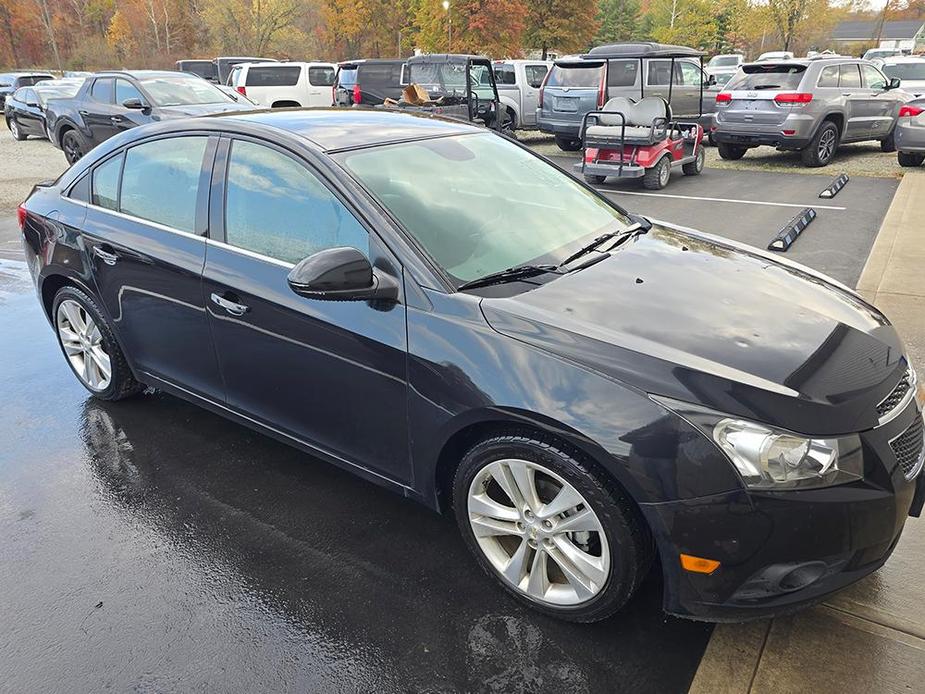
[447, 314]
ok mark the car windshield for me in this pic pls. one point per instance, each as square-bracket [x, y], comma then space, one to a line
[589, 77]
[723, 61]
[183, 91]
[479, 204]
[906, 71]
[767, 77]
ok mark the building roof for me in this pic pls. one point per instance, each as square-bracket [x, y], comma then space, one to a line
[867, 30]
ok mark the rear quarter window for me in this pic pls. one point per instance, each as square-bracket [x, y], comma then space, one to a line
[784, 77]
[283, 76]
[321, 76]
[587, 77]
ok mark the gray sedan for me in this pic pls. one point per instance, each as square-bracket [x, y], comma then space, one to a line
[910, 133]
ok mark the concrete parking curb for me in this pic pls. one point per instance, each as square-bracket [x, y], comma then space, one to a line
[877, 621]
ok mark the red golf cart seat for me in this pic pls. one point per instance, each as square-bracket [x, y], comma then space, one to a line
[646, 122]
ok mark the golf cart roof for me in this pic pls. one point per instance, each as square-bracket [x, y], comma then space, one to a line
[641, 49]
[442, 58]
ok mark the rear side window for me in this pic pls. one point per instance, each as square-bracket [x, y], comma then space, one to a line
[504, 74]
[849, 76]
[659, 72]
[535, 75]
[761, 76]
[283, 76]
[102, 91]
[829, 76]
[276, 207]
[321, 76]
[587, 77]
[347, 76]
[160, 182]
[622, 73]
[106, 184]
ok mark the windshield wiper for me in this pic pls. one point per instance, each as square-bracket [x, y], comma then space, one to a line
[642, 225]
[510, 275]
[766, 86]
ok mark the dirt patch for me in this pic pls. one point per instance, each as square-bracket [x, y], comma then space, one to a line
[23, 165]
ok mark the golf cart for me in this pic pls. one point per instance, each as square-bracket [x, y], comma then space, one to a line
[631, 138]
[458, 86]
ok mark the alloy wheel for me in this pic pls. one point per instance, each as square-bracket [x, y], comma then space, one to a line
[14, 128]
[83, 346]
[538, 532]
[826, 145]
[71, 149]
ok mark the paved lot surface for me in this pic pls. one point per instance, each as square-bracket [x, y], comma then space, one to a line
[149, 545]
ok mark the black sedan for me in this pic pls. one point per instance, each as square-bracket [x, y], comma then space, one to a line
[443, 312]
[24, 111]
[11, 81]
[111, 102]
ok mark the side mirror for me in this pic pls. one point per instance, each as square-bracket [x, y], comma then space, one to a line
[711, 81]
[135, 104]
[894, 83]
[341, 274]
[34, 104]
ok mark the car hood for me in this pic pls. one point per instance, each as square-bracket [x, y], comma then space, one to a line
[914, 87]
[695, 318]
[202, 109]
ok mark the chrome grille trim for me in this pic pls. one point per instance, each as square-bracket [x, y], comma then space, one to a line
[909, 448]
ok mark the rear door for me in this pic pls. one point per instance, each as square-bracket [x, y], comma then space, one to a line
[144, 234]
[332, 374]
[320, 79]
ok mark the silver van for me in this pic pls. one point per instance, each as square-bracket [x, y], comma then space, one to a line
[576, 86]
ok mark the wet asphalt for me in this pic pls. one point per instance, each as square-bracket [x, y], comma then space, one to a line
[149, 545]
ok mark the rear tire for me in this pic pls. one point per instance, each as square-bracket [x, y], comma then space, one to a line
[615, 537]
[16, 130]
[730, 152]
[910, 159]
[595, 179]
[568, 144]
[888, 144]
[821, 149]
[658, 176]
[74, 146]
[73, 313]
[695, 167]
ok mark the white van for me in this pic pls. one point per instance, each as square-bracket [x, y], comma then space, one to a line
[276, 85]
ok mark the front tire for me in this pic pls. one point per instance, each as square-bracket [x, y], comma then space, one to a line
[658, 176]
[568, 144]
[821, 149]
[89, 346]
[910, 159]
[558, 535]
[16, 130]
[695, 167]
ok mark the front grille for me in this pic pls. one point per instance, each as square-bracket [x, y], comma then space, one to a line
[890, 402]
[907, 447]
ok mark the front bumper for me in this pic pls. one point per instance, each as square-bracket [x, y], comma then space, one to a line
[780, 551]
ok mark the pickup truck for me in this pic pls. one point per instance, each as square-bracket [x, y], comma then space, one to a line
[109, 102]
[519, 83]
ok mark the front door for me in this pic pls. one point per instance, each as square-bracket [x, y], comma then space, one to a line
[857, 122]
[330, 374]
[881, 102]
[144, 237]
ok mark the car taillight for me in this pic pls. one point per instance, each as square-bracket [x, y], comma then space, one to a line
[910, 111]
[602, 90]
[241, 90]
[21, 217]
[543, 88]
[357, 94]
[723, 98]
[793, 98]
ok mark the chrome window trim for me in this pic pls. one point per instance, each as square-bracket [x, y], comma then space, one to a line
[902, 404]
[249, 253]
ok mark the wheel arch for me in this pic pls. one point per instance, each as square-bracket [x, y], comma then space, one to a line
[52, 283]
[285, 103]
[834, 117]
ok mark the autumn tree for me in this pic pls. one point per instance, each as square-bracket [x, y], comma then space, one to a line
[566, 25]
[248, 26]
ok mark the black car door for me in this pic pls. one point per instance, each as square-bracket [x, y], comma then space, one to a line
[124, 118]
[144, 235]
[25, 108]
[97, 110]
[330, 374]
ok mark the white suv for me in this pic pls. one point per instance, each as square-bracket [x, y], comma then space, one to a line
[276, 85]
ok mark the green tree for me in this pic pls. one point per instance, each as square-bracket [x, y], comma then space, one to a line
[565, 25]
[618, 19]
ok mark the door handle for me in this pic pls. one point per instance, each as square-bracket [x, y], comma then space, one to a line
[232, 307]
[106, 256]
[115, 119]
[847, 94]
[84, 113]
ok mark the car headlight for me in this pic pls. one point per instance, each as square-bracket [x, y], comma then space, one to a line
[774, 459]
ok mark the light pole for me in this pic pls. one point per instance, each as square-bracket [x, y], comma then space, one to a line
[449, 26]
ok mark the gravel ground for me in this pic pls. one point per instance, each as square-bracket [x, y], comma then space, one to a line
[24, 164]
[862, 159]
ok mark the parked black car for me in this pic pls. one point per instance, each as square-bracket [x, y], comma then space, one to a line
[369, 82]
[207, 69]
[223, 66]
[24, 110]
[11, 81]
[447, 314]
[110, 102]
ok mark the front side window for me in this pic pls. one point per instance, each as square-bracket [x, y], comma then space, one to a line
[160, 182]
[535, 75]
[321, 76]
[873, 78]
[126, 90]
[276, 207]
[690, 75]
[479, 204]
[106, 184]
[102, 91]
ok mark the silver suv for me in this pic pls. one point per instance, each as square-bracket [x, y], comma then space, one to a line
[810, 105]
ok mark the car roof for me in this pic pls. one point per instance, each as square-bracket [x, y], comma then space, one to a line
[432, 58]
[642, 49]
[341, 128]
[139, 74]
